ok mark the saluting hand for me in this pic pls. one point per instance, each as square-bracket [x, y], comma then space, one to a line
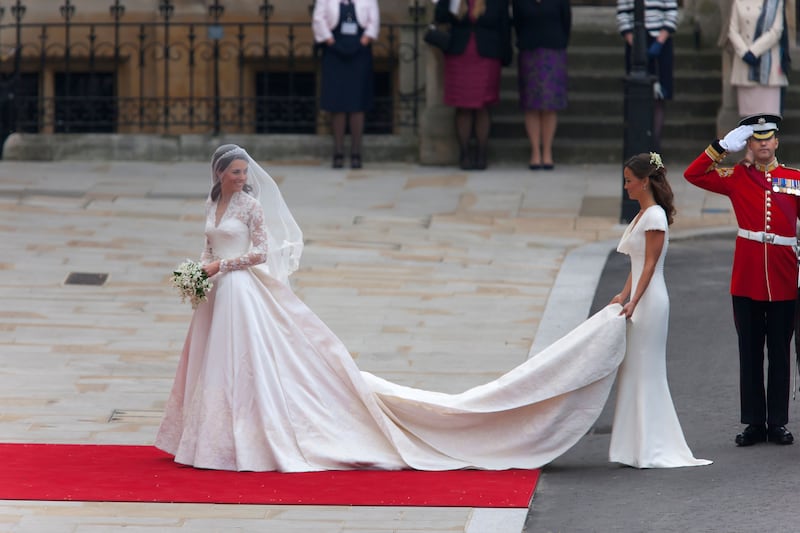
[736, 139]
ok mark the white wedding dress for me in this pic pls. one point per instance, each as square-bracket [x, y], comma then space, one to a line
[263, 384]
[646, 432]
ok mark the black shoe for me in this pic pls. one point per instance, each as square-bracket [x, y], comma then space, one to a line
[465, 163]
[338, 161]
[779, 435]
[355, 161]
[752, 434]
[481, 162]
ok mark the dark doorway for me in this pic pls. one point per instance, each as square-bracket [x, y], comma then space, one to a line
[85, 102]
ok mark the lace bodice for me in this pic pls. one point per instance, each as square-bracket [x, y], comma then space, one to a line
[240, 238]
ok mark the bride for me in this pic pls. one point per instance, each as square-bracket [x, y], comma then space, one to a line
[263, 384]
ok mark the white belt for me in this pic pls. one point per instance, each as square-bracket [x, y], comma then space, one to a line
[768, 238]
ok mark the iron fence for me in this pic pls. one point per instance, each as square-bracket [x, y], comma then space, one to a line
[169, 74]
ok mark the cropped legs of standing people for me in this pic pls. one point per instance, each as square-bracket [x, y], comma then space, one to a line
[339, 122]
[541, 129]
[469, 123]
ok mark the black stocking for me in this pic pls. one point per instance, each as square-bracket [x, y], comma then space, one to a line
[482, 125]
[464, 124]
[338, 122]
[356, 132]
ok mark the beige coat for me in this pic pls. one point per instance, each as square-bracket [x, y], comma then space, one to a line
[744, 15]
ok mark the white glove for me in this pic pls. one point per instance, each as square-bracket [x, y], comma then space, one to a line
[736, 139]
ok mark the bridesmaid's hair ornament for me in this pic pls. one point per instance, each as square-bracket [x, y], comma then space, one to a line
[655, 159]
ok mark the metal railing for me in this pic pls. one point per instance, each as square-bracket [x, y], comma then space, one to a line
[171, 74]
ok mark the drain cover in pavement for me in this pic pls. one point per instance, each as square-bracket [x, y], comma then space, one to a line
[85, 278]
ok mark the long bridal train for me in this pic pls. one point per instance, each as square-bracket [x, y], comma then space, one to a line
[267, 386]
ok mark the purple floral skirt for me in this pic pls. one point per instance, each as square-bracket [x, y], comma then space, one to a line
[542, 77]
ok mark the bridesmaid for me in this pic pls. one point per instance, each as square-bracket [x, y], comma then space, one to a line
[347, 29]
[646, 432]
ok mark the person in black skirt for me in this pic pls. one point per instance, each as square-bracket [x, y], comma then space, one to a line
[346, 29]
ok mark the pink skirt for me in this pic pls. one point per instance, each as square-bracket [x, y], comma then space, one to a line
[470, 80]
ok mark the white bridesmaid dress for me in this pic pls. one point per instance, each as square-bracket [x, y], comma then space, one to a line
[646, 432]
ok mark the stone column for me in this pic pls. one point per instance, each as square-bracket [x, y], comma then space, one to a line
[437, 140]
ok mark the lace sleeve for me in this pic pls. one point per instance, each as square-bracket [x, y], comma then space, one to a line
[258, 238]
[208, 254]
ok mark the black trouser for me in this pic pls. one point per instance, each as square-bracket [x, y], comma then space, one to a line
[756, 321]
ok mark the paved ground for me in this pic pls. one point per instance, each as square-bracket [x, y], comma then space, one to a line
[433, 277]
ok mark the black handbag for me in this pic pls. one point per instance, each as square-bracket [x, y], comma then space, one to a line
[438, 35]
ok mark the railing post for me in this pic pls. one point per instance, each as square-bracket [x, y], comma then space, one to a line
[265, 10]
[215, 11]
[417, 16]
[67, 11]
[117, 10]
[166, 9]
[18, 12]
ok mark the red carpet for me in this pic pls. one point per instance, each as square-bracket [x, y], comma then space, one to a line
[145, 474]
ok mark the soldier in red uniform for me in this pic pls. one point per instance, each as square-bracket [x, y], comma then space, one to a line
[765, 196]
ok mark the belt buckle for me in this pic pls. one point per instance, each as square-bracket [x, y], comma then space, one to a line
[769, 238]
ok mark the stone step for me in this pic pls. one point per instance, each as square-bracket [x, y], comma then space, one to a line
[607, 35]
[608, 80]
[609, 104]
[580, 57]
[677, 153]
[570, 127]
[583, 151]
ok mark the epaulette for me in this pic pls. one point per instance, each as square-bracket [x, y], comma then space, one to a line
[724, 172]
[789, 168]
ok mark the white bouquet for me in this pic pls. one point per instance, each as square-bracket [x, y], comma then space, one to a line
[192, 282]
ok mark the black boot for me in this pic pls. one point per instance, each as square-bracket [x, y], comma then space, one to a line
[464, 160]
[480, 160]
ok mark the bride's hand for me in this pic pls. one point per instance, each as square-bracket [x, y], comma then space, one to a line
[212, 268]
[618, 299]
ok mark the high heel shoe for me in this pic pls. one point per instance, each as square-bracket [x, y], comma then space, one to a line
[338, 161]
[355, 161]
